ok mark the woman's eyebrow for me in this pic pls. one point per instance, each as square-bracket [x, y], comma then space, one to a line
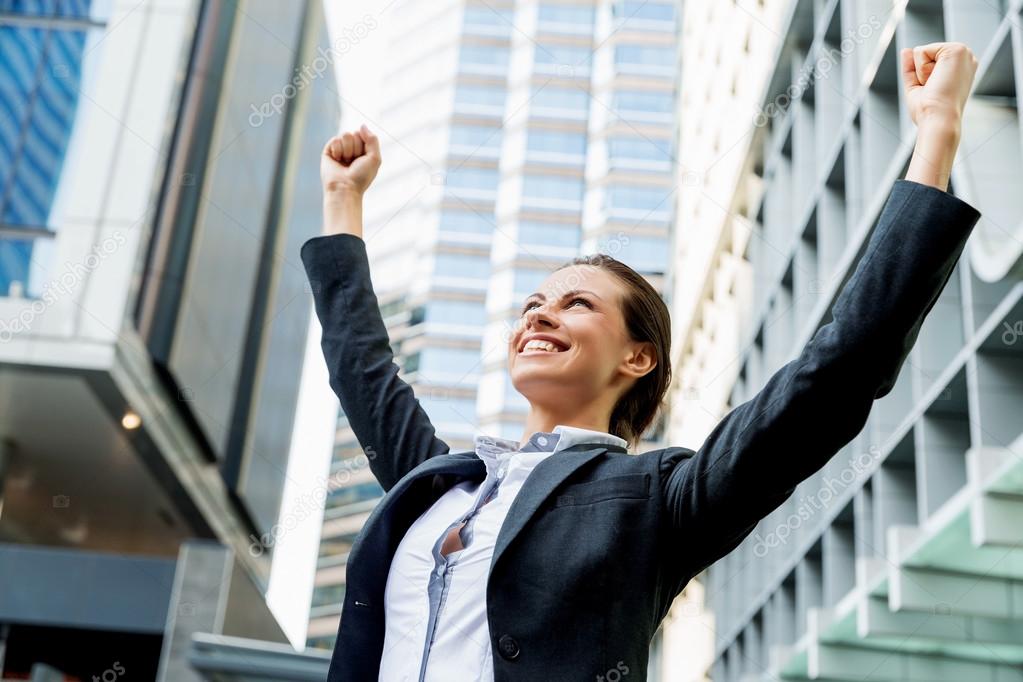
[573, 292]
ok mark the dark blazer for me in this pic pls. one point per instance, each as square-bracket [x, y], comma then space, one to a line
[599, 542]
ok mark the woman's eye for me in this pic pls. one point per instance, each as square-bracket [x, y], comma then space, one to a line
[534, 304]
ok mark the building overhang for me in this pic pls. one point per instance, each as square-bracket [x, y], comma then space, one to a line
[946, 603]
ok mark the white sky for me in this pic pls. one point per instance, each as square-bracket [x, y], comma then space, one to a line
[294, 564]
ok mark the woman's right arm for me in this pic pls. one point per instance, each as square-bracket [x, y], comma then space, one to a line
[391, 426]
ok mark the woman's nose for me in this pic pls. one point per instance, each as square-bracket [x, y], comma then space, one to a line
[539, 315]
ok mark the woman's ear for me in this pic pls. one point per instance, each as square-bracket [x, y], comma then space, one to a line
[640, 361]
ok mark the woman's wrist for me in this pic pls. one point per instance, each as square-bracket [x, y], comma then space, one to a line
[342, 213]
[937, 141]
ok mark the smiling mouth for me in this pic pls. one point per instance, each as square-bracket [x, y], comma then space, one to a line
[538, 346]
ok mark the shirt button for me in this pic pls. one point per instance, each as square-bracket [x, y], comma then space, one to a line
[542, 440]
[508, 647]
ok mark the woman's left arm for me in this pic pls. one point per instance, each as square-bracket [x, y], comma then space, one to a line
[818, 402]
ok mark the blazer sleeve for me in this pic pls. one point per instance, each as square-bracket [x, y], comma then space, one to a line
[815, 404]
[385, 415]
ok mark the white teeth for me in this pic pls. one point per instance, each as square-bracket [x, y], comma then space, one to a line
[538, 344]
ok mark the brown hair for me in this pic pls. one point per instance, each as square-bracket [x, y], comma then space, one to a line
[646, 319]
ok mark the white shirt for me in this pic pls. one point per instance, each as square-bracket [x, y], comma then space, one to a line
[435, 610]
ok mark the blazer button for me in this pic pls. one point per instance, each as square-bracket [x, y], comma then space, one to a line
[508, 647]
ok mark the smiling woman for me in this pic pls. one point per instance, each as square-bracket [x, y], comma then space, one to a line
[557, 556]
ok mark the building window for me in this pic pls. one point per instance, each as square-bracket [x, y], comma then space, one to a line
[470, 177]
[350, 494]
[556, 142]
[466, 221]
[534, 233]
[551, 97]
[565, 18]
[639, 198]
[643, 102]
[551, 54]
[646, 10]
[454, 413]
[456, 312]
[552, 187]
[527, 281]
[488, 56]
[488, 20]
[643, 253]
[641, 148]
[461, 265]
[644, 56]
[443, 364]
[476, 137]
[480, 95]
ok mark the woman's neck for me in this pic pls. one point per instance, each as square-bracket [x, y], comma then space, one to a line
[544, 419]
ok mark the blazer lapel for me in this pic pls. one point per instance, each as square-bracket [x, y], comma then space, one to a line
[459, 465]
[538, 486]
[392, 516]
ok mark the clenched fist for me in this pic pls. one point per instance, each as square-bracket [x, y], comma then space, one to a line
[938, 78]
[349, 162]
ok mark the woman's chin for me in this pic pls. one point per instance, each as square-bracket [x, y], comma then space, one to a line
[536, 378]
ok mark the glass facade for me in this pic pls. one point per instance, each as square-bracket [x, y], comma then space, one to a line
[552, 187]
[536, 233]
[640, 198]
[476, 137]
[559, 99]
[628, 102]
[556, 142]
[555, 54]
[635, 11]
[454, 220]
[489, 57]
[639, 148]
[489, 97]
[42, 68]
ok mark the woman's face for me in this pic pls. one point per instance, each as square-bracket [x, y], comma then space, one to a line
[571, 339]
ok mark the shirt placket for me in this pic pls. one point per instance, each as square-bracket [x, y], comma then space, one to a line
[440, 577]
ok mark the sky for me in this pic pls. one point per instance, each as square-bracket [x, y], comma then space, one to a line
[297, 539]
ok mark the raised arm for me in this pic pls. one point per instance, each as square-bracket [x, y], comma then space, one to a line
[389, 423]
[815, 404]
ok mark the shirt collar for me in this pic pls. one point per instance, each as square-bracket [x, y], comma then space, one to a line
[562, 437]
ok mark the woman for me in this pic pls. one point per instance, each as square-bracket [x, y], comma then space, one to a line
[556, 558]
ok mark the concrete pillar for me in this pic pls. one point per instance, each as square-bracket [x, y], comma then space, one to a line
[198, 603]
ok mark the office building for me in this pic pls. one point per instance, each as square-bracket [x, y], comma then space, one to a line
[901, 559]
[158, 173]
